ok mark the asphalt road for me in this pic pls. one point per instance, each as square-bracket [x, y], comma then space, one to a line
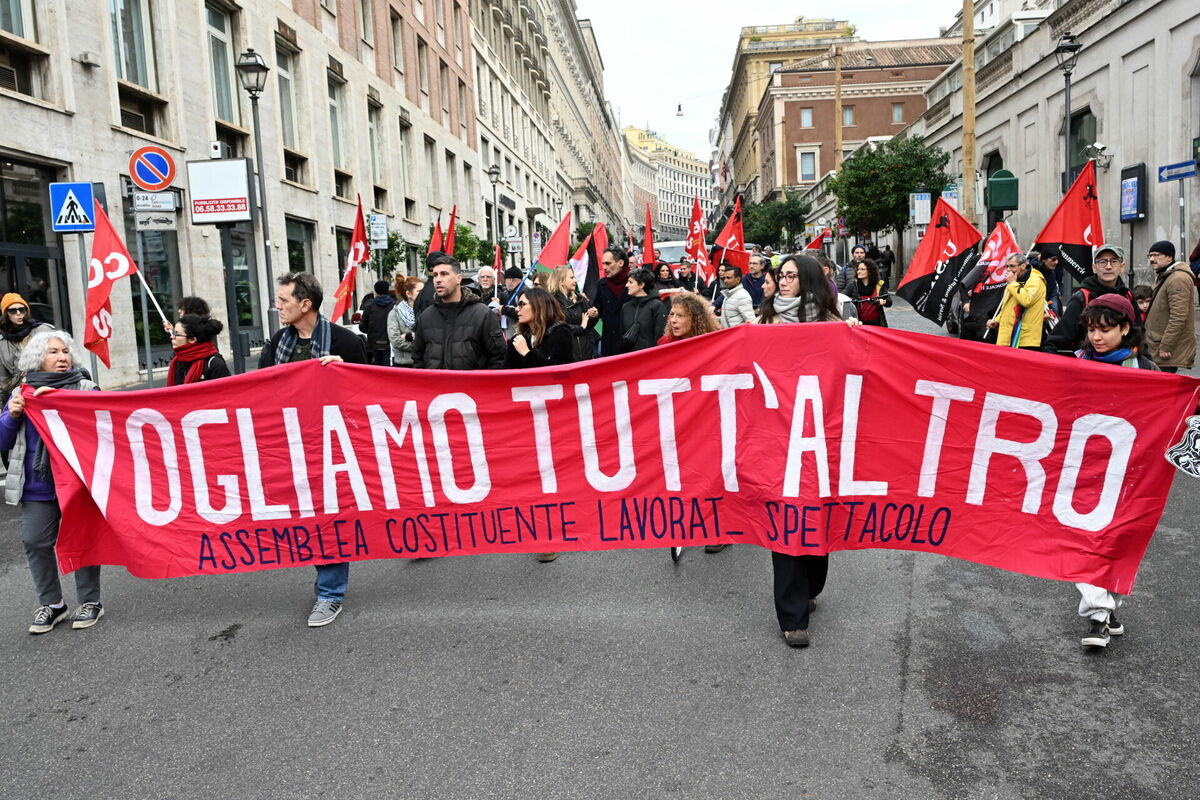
[607, 675]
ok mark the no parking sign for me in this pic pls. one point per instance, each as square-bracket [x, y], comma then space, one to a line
[151, 168]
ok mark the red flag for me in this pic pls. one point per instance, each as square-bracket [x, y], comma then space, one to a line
[694, 247]
[435, 241]
[1075, 226]
[600, 238]
[360, 251]
[450, 231]
[948, 250]
[1000, 244]
[732, 241]
[109, 263]
[498, 263]
[819, 241]
[648, 240]
[557, 251]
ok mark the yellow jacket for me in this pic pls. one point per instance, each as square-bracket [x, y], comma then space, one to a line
[1028, 296]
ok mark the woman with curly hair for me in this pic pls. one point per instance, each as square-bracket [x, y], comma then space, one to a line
[690, 315]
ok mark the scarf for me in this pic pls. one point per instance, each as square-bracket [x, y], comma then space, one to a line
[1111, 357]
[54, 380]
[407, 315]
[195, 354]
[322, 339]
[787, 308]
[18, 333]
[617, 282]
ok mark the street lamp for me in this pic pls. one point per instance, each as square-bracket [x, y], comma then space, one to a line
[252, 72]
[1066, 54]
[493, 174]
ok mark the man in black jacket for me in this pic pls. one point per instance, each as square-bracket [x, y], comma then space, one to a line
[1108, 264]
[374, 324]
[458, 331]
[306, 334]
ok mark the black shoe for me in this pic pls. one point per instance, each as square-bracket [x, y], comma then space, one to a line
[45, 618]
[1097, 635]
[796, 638]
[1114, 628]
[714, 548]
[87, 615]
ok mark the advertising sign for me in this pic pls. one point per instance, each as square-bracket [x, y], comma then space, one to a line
[219, 190]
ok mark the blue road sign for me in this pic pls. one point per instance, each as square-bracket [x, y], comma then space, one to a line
[72, 209]
[1175, 172]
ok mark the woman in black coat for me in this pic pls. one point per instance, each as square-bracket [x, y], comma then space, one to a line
[643, 317]
[542, 339]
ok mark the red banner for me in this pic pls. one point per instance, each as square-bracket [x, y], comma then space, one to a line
[109, 263]
[1033, 463]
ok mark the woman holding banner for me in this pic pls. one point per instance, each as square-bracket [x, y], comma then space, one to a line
[690, 315]
[49, 362]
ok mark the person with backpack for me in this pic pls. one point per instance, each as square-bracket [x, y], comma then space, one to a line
[1108, 264]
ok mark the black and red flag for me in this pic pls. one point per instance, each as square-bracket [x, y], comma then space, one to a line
[1075, 228]
[947, 252]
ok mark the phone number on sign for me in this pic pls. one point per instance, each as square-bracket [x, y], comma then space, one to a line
[222, 206]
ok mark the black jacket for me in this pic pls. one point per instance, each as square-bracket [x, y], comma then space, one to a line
[609, 304]
[1069, 333]
[693, 284]
[574, 311]
[555, 348]
[462, 335]
[342, 342]
[649, 315]
[375, 319]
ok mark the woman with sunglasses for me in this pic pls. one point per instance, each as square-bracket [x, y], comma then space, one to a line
[196, 357]
[16, 326]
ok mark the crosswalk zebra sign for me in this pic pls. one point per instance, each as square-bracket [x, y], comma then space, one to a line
[72, 207]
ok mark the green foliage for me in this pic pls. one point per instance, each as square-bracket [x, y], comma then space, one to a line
[386, 261]
[581, 233]
[872, 188]
[466, 244]
[775, 223]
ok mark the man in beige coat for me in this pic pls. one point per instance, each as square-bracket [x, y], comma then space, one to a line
[1171, 320]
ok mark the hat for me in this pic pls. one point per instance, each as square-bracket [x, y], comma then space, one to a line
[11, 299]
[381, 287]
[1116, 250]
[1117, 302]
[1164, 247]
[514, 272]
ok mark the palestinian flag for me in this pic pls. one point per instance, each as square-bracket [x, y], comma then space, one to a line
[947, 252]
[1075, 228]
[597, 244]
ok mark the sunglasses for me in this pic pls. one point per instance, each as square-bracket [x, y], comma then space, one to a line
[14, 311]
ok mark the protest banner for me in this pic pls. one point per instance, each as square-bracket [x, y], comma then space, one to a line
[804, 439]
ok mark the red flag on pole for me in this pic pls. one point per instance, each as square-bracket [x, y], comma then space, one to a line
[694, 247]
[498, 263]
[732, 241]
[1075, 226]
[360, 251]
[109, 263]
[449, 244]
[947, 251]
[600, 238]
[435, 241]
[819, 241]
[557, 251]
[648, 240]
[994, 257]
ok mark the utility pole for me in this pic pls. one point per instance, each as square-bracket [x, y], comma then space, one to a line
[968, 137]
[837, 107]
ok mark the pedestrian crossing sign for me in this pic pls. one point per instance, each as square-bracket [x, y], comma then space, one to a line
[72, 207]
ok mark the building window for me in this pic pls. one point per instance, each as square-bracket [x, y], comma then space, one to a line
[19, 70]
[374, 132]
[444, 88]
[775, 65]
[847, 115]
[366, 20]
[285, 68]
[419, 10]
[462, 106]
[451, 175]
[220, 53]
[807, 163]
[806, 118]
[404, 155]
[300, 238]
[423, 72]
[131, 41]
[897, 113]
[397, 43]
[335, 123]
[431, 168]
[16, 17]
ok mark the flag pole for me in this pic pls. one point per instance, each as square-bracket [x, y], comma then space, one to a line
[153, 299]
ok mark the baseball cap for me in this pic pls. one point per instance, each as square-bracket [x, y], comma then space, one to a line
[1116, 250]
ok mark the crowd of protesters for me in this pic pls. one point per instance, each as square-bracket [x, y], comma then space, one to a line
[451, 322]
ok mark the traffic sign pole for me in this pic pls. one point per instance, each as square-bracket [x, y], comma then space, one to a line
[83, 262]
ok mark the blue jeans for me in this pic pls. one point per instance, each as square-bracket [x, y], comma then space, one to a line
[332, 580]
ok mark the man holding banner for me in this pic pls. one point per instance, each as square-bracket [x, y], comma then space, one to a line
[306, 334]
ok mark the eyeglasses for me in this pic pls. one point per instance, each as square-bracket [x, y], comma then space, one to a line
[788, 276]
[522, 304]
[175, 335]
[1104, 262]
[14, 311]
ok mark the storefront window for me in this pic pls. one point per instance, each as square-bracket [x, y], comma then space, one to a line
[246, 283]
[30, 252]
[158, 261]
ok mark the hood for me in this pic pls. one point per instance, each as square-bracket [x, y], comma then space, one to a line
[384, 300]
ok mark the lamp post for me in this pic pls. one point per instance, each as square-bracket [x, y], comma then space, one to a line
[252, 72]
[493, 174]
[1066, 54]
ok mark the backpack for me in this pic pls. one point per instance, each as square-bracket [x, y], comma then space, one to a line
[583, 342]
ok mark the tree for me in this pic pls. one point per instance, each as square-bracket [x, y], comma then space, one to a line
[775, 223]
[872, 187]
[466, 244]
[582, 231]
